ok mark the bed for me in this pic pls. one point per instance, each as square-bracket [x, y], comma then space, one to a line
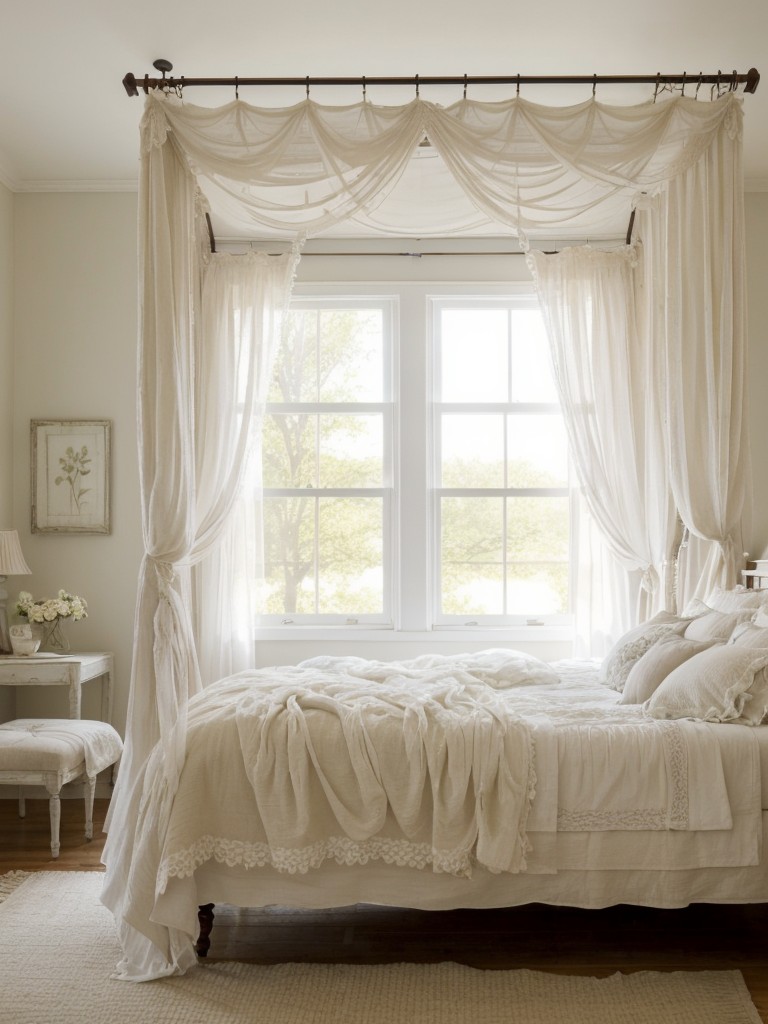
[483, 780]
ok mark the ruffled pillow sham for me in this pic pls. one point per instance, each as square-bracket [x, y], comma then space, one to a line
[652, 669]
[736, 600]
[630, 648]
[717, 626]
[725, 683]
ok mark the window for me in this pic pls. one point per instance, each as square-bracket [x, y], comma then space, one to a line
[415, 463]
[327, 466]
[500, 466]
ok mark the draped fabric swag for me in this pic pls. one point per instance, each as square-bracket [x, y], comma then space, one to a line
[537, 171]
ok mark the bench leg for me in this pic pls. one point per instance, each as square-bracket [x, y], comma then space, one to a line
[90, 789]
[54, 805]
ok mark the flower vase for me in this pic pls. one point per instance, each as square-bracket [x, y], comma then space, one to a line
[54, 637]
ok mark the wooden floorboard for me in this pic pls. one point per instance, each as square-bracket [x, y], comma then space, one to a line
[559, 939]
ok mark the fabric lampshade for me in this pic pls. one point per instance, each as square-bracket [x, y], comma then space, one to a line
[11, 559]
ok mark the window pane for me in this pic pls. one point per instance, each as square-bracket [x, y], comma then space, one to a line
[294, 378]
[473, 451]
[288, 454]
[351, 355]
[532, 379]
[350, 556]
[289, 545]
[473, 355]
[351, 450]
[537, 555]
[537, 451]
[472, 556]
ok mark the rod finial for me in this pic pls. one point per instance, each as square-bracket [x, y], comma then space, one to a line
[129, 84]
[753, 78]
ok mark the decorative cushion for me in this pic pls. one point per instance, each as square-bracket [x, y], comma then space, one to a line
[629, 648]
[750, 635]
[722, 684]
[58, 744]
[736, 600]
[717, 626]
[761, 619]
[655, 665]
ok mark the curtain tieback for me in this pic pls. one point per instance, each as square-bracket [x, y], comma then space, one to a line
[165, 575]
[649, 581]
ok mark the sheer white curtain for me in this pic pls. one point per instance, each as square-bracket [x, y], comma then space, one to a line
[695, 260]
[609, 380]
[244, 298]
[209, 330]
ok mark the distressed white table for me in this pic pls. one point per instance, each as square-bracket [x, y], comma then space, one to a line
[70, 670]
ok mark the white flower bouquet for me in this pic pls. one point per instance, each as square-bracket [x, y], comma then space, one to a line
[50, 609]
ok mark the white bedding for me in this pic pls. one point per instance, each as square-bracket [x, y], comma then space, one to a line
[298, 778]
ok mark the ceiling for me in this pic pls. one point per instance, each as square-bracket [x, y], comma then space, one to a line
[66, 123]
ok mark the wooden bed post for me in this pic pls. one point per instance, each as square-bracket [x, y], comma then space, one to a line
[205, 917]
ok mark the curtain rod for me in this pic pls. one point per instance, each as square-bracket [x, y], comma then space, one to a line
[729, 81]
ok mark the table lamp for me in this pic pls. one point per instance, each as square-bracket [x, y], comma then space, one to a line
[11, 564]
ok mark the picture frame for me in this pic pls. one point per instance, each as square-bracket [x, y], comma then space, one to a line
[70, 476]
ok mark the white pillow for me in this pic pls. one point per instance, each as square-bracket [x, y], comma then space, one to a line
[634, 643]
[655, 665]
[717, 626]
[722, 684]
[736, 600]
[761, 619]
[750, 635]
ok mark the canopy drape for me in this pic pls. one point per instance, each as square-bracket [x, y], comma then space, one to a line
[536, 171]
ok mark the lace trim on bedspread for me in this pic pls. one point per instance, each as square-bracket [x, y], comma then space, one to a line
[675, 816]
[345, 851]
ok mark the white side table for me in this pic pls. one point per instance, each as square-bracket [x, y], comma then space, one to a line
[71, 670]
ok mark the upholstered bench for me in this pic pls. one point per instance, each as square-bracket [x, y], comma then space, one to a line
[53, 751]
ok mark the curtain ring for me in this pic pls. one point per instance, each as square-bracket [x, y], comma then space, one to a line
[734, 81]
[698, 84]
[682, 89]
[307, 86]
[594, 85]
[517, 93]
[656, 87]
[465, 86]
[364, 96]
[237, 88]
[417, 86]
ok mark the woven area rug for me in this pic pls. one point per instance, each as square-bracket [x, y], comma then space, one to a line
[58, 947]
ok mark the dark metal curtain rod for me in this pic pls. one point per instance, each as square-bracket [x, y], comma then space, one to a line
[729, 81]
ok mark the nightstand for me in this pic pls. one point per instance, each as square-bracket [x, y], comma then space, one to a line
[71, 670]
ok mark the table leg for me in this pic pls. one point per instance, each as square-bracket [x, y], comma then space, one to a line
[75, 696]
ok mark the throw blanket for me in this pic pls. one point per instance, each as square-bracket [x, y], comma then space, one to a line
[429, 764]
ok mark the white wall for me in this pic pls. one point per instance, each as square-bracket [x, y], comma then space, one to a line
[6, 388]
[6, 358]
[75, 298]
[75, 347]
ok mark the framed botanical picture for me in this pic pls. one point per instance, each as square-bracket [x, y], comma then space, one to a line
[70, 476]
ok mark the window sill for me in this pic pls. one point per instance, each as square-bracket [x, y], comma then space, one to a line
[490, 635]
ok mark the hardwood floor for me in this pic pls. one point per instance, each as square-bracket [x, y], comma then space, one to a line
[558, 939]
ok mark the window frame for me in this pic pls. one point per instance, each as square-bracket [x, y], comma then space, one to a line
[412, 528]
